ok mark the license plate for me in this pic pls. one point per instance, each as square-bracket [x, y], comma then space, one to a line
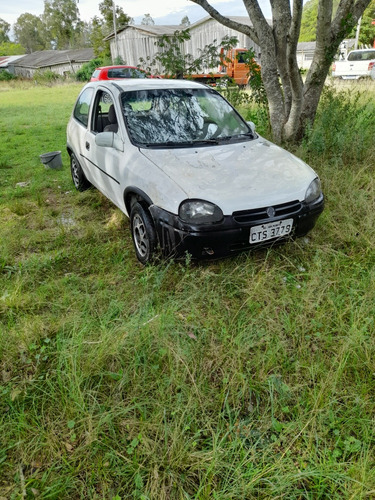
[271, 230]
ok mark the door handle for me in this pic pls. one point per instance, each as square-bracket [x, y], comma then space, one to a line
[87, 146]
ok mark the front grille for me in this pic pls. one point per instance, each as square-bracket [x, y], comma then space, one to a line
[258, 214]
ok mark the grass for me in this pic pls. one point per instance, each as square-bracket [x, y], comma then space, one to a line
[250, 377]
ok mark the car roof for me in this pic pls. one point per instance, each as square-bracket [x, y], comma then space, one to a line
[117, 66]
[145, 84]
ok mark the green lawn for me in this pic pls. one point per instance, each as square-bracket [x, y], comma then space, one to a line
[250, 377]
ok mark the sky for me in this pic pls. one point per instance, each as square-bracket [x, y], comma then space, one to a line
[162, 11]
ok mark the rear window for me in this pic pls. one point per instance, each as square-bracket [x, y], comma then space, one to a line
[96, 73]
[365, 55]
[125, 73]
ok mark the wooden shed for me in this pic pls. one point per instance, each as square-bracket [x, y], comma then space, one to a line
[61, 62]
[135, 42]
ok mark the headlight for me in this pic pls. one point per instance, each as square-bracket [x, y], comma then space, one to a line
[313, 191]
[199, 212]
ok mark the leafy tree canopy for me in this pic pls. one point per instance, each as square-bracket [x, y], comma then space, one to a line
[28, 31]
[185, 21]
[61, 20]
[4, 30]
[310, 19]
[147, 20]
[11, 49]
[106, 10]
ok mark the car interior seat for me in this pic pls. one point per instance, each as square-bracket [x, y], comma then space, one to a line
[113, 125]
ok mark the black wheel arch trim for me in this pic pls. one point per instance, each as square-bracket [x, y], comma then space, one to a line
[139, 195]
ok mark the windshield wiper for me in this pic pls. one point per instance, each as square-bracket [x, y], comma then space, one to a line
[168, 144]
[182, 144]
[206, 141]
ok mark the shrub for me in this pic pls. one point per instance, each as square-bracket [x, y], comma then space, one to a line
[5, 75]
[343, 127]
[87, 69]
[46, 77]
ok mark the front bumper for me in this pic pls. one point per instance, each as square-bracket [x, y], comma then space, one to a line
[232, 234]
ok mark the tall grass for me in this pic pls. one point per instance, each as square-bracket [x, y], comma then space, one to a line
[250, 377]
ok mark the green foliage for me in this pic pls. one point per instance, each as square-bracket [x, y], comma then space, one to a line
[344, 126]
[61, 20]
[4, 30]
[5, 75]
[245, 378]
[185, 22]
[367, 31]
[46, 77]
[11, 49]
[100, 47]
[29, 31]
[310, 16]
[106, 10]
[147, 20]
[85, 72]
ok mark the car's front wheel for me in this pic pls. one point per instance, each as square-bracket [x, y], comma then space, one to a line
[78, 176]
[143, 233]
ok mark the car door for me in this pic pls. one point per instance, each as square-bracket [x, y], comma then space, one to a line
[106, 164]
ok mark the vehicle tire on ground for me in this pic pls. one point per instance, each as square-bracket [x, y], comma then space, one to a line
[79, 178]
[143, 233]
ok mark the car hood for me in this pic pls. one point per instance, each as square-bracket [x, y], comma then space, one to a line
[237, 176]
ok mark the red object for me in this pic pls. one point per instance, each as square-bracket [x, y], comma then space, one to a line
[118, 72]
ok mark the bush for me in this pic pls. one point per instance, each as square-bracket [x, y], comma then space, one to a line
[344, 125]
[46, 77]
[5, 75]
[87, 69]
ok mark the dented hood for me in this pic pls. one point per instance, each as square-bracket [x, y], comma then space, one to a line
[237, 176]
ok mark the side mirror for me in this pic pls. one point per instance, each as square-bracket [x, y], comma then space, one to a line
[252, 126]
[109, 140]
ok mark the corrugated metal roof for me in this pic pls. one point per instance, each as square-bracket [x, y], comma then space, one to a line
[44, 58]
[237, 19]
[6, 60]
[154, 29]
[302, 46]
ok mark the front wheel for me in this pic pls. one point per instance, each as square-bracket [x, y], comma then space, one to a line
[78, 176]
[143, 233]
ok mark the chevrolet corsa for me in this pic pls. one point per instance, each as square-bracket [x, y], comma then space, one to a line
[189, 172]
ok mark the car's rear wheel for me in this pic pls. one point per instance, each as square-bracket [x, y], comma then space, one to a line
[79, 178]
[143, 233]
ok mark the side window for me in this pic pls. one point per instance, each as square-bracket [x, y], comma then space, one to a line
[104, 116]
[82, 107]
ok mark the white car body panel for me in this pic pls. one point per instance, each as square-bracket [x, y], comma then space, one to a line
[236, 176]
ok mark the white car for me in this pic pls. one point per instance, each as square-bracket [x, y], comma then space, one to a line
[190, 173]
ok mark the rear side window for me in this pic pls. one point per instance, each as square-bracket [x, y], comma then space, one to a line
[96, 73]
[82, 107]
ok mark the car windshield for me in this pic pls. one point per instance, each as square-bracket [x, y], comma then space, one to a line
[181, 117]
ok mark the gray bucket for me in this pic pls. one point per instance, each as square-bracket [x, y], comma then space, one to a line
[51, 160]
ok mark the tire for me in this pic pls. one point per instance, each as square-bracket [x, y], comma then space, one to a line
[79, 179]
[143, 233]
